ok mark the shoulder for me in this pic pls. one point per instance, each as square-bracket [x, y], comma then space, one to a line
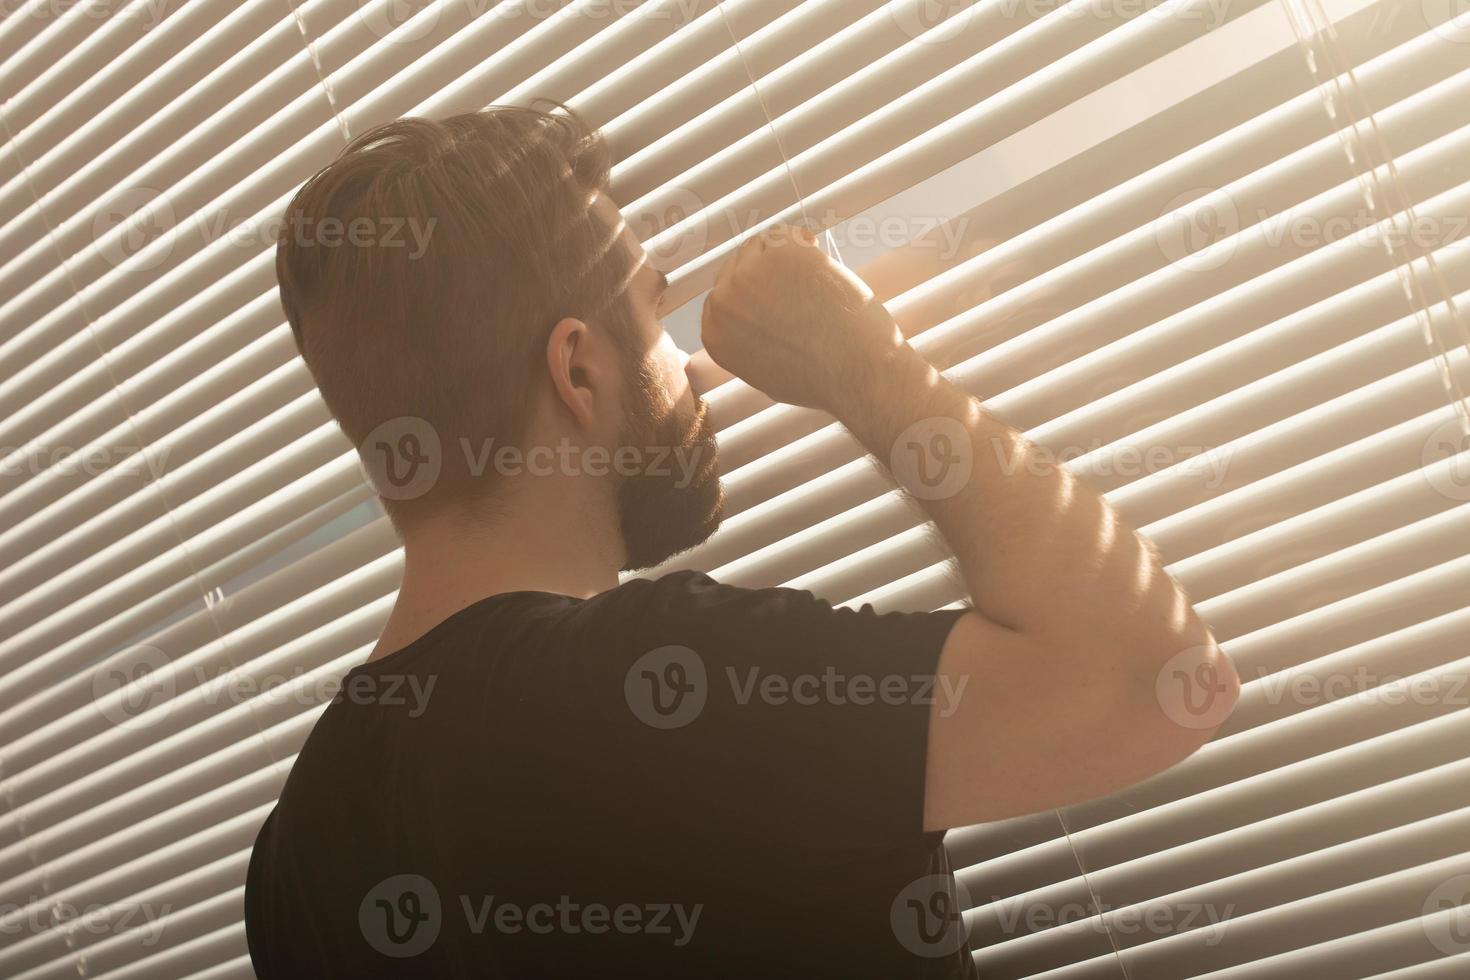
[690, 597]
[688, 605]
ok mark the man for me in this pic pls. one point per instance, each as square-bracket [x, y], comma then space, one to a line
[539, 772]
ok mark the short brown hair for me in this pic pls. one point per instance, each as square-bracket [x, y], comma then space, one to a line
[499, 201]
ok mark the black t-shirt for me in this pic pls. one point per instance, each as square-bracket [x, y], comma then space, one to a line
[675, 778]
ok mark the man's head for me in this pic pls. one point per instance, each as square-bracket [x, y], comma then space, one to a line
[479, 318]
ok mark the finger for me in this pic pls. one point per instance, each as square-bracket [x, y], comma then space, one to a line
[748, 252]
[727, 269]
[720, 288]
[704, 374]
[707, 314]
[781, 235]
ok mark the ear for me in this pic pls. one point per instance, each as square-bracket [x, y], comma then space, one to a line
[573, 370]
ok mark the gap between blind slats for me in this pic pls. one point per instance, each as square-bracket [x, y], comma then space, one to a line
[52, 954]
[30, 676]
[51, 685]
[829, 555]
[1091, 276]
[163, 276]
[1278, 786]
[732, 133]
[62, 34]
[282, 399]
[262, 691]
[1217, 129]
[50, 110]
[193, 462]
[1387, 899]
[140, 874]
[44, 142]
[76, 357]
[871, 161]
[165, 571]
[698, 69]
[1295, 853]
[835, 490]
[174, 390]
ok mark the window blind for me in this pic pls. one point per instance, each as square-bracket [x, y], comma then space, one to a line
[1212, 253]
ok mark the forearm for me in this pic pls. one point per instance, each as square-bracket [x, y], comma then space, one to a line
[1078, 636]
[1039, 549]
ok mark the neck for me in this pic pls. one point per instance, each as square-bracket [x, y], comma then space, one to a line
[557, 538]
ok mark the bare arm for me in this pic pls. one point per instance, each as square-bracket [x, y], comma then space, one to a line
[1077, 631]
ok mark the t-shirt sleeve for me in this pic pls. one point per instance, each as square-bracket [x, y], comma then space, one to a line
[777, 710]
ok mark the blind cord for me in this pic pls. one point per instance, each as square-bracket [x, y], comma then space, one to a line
[826, 238]
[1092, 896]
[1385, 197]
[321, 75]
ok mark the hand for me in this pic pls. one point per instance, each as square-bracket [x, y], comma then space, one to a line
[798, 326]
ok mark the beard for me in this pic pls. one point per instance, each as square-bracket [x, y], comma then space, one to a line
[674, 500]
